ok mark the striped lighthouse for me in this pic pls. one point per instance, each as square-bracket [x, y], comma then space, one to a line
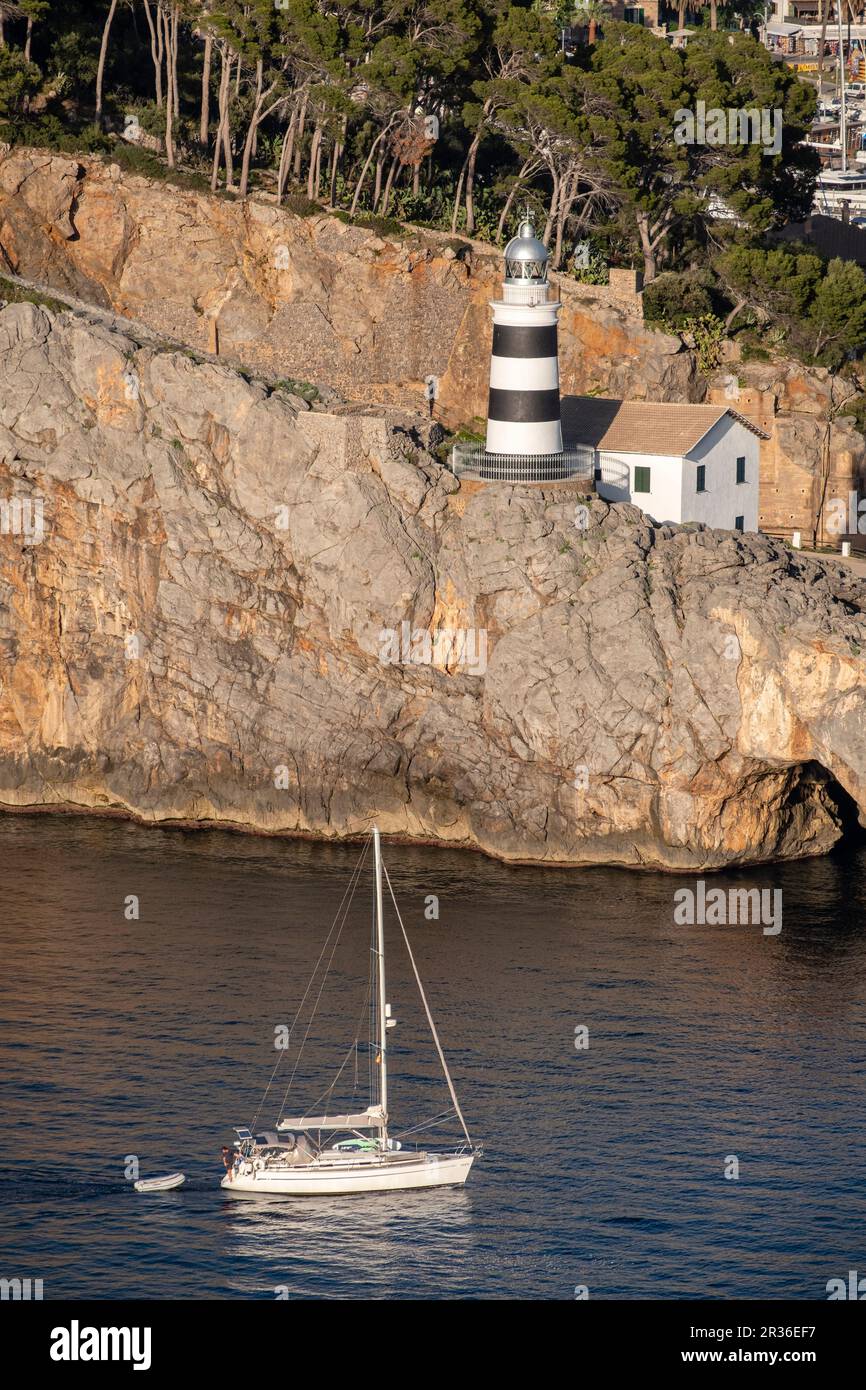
[523, 418]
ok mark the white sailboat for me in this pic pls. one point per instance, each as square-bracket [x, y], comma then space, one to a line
[841, 192]
[336, 1154]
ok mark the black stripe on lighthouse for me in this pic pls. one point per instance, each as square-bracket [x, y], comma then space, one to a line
[522, 406]
[524, 341]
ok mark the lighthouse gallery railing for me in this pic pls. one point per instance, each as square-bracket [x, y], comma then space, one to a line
[580, 464]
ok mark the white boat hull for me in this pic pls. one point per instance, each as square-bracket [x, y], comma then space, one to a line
[165, 1184]
[339, 1179]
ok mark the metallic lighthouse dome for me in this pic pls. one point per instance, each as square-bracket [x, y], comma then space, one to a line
[526, 257]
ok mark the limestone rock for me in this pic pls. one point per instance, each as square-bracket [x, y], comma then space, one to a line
[211, 630]
[305, 297]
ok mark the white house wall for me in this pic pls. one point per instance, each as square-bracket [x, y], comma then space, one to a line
[673, 495]
[664, 501]
[725, 498]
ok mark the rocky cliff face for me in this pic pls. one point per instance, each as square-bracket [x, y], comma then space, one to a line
[815, 455]
[316, 299]
[308, 297]
[207, 625]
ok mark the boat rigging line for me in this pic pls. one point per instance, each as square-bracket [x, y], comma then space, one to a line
[453, 1093]
[348, 893]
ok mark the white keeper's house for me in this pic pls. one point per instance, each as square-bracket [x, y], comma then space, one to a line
[676, 462]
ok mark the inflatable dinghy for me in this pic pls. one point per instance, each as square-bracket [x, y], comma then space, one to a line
[160, 1184]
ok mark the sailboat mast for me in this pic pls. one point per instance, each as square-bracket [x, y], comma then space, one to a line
[380, 955]
[843, 121]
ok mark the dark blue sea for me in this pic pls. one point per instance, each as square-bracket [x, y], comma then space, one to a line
[603, 1168]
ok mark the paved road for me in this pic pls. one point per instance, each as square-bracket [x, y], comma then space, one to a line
[856, 563]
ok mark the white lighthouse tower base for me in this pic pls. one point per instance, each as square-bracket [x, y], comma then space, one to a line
[524, 429]
[523, 410]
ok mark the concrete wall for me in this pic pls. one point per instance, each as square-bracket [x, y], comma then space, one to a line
[624, 291]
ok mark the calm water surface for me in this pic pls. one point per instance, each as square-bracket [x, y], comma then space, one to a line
[602, 1168]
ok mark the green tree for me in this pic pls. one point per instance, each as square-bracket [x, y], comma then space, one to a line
[836, 319]
[19, 80]
[821, 307]
[33, 11]
[761, 187]
[637, 85]
[518, 49]
[775, 283]
[551, 124]
[670, 186]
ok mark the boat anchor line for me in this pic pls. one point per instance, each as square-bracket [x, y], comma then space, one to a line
[331, 1154]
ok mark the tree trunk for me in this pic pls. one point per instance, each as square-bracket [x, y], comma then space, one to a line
[318, 174]
[28, 39]
[155, 51]
[252, 131]
[165, 19]
[470, 182]
[377, 184]
[222, 142]
[554, 204]
[243, 186]
[649, 256]
[175, 25]
[740, 304]
[100, 70]
[332, 173]
[286, 155]
[299, 146]
[315, 145]
[567, 195]
[260, 113]
[714, 14]
[227, 144]
[389, 184]
[592, 29]
[356, 197]
[458, 196]
[515, 188]
[204, 119]
[259, 79]
[335, 164]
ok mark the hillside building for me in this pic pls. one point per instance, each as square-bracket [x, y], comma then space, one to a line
[677, 462]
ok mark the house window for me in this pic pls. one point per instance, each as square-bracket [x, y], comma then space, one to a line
[642, 480]
[741, 470]
[739, 523]
[702, 478]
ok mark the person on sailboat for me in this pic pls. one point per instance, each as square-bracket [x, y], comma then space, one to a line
[228, 1161]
